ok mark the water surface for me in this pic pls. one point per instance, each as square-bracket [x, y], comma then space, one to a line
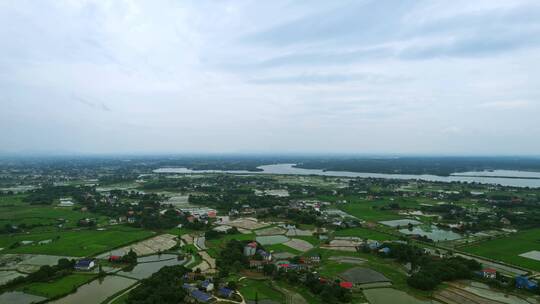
[499, 177]
[433, 233]
[97, 291]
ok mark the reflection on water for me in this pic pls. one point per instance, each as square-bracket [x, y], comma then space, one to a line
[97, 291]
[17, 297]
[150, 265]
[288, 169]
[100, 289]
[433, 233]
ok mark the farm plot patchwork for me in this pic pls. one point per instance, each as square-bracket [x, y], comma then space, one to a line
[149, 246]
[299, 245]
[246, 223]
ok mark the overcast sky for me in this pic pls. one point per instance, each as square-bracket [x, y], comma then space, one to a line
[450, 77]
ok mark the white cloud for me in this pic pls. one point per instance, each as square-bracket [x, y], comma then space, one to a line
[176, 76]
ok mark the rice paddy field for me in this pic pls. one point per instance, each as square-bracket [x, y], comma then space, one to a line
[508, 249]
[365, 234]
[74, 242]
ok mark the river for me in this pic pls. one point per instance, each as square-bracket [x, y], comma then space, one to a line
[498, 177]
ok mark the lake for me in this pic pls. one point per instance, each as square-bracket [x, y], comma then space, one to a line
[498, 177]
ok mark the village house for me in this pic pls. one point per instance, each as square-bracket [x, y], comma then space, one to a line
[489, 273]
[207, 285]
[225, 292]
[66, 202]
[266, 256]
[197, 295]
[523, 282]
[250, 249]
[85, 264]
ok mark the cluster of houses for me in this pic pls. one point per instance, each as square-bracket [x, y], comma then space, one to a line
[521, 281]
[259, 257]
[205, 291]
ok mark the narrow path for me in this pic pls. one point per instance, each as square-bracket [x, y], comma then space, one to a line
[123, 293]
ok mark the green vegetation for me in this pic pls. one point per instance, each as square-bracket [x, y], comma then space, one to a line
[368, 210]
[508, 249]
[163, 286]
[282, 248]
[216, 245]
[42, 217]
[74, 242]
[262, 288]
[59, 287]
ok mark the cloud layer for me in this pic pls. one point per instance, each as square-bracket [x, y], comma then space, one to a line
[457, 77]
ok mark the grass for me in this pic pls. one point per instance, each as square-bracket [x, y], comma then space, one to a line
[303, 291]
[282, 248]
[179, 231]
[262, 288]
[365, 233]
[12, 200]
[75, 242]
[62, 286]
[508, 249]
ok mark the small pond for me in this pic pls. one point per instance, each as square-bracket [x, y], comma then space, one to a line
[432, 232]
[151, 264]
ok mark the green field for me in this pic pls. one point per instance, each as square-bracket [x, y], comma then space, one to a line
[282, 248]
[15, 212]
[75, 242]
[365, 233]
[262, 288]
[59, 287]
[508, 249]
[368, 210]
